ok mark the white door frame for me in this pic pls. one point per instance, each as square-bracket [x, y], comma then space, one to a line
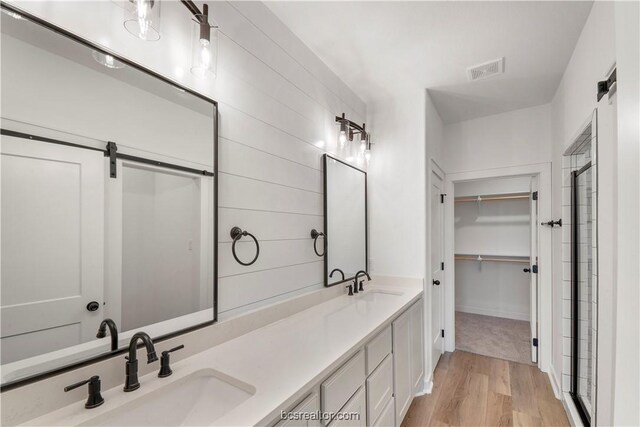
[545, 265]
[433, 168]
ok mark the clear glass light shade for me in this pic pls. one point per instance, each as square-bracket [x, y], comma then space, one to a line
[142, 19]
[204, 48]
[106, 60]
[342, 136]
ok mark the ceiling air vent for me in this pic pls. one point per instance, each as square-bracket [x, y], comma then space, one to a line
[486, 70]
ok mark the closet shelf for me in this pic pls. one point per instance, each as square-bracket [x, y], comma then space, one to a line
[492, 258]
[493, 197]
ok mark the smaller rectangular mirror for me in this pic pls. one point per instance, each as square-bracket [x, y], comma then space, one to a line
[345, 220]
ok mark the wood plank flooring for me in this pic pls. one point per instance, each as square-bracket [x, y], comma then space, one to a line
[474, 390]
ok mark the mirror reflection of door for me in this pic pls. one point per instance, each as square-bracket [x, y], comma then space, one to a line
[163, 242]
[52, 212]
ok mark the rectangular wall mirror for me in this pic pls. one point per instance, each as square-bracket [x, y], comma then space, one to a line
[107, 202]
[345, 219]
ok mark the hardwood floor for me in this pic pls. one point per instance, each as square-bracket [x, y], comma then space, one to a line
[474, 390]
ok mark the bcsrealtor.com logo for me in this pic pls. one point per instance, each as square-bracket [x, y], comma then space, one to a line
[319, 416]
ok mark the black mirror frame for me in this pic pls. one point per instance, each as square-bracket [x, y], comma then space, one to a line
[327, 236]
[111, 354]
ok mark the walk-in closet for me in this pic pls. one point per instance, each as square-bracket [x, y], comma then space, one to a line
[495, 272]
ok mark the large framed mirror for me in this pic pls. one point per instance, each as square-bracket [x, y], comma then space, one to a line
[108, 202]
[345, 220]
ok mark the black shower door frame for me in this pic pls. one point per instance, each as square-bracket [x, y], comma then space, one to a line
[575, 297]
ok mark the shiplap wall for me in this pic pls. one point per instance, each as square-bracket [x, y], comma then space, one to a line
[277, 103]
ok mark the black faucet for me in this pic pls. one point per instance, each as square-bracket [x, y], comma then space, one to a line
[113, 331]
[131, 382]
[339, 271]
[355, 281]
[95, 398]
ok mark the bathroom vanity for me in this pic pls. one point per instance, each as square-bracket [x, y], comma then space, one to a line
[352, 354]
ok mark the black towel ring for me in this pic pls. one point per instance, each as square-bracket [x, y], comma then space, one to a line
[236, 234]
[314, 235]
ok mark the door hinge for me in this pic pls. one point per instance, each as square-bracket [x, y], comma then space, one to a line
[535, 342]
[442, 266]
[442, 332]
[442, 198]
[112, 148]
[605, 85]
[535, 195]
[534, 268]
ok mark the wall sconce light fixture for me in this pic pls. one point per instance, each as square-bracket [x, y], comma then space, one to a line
[142, 19]
[347, 131]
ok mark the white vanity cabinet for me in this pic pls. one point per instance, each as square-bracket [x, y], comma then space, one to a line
[408, 357]
[377, 383]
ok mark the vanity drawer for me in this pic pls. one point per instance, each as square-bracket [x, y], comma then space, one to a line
[340, 386]
[387, 418]
[307, 406]
[356, 406]
[379, 388]
[377, 349]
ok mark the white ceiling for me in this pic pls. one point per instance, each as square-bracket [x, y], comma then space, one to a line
[379, 48]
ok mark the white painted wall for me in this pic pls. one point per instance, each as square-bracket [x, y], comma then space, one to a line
[515, 138]
[572, 105]
[627, 347]
[277, 103]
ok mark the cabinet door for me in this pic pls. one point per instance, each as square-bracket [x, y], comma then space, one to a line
[354, 412]
[403, 384]
[417, 346]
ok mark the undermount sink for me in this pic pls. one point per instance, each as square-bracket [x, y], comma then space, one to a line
[195, 400]
[374, 295]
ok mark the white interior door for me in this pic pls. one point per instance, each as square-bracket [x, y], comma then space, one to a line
[437, 276]
[52, 213]
[533, 268]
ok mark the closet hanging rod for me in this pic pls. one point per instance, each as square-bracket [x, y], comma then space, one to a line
[524, 260]
[491, 198]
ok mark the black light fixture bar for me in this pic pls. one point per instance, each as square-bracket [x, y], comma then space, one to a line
[349, 123]
[191, 6]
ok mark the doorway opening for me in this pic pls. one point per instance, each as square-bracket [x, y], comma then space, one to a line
[496, 267]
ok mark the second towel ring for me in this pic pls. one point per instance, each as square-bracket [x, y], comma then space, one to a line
[314, 235]
[236, 234]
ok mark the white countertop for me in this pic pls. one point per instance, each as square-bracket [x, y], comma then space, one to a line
[282, 361]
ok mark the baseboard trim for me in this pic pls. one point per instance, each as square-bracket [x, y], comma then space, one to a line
[427, 388]
[494, 313]
[555, 384]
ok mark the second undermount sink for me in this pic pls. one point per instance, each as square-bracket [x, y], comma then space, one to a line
[195, 400]
[374, 295]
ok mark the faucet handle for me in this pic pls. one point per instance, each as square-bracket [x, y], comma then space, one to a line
[350, 287]
[95, 398]
[361, 289]
[165, 369]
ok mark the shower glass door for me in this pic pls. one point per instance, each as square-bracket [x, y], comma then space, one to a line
[583, 293]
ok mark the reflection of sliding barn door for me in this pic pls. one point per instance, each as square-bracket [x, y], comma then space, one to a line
[52, 232]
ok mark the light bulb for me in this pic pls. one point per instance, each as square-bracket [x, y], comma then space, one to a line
[363, 146]
[343, 137]
[367, 155]
[143, 19]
